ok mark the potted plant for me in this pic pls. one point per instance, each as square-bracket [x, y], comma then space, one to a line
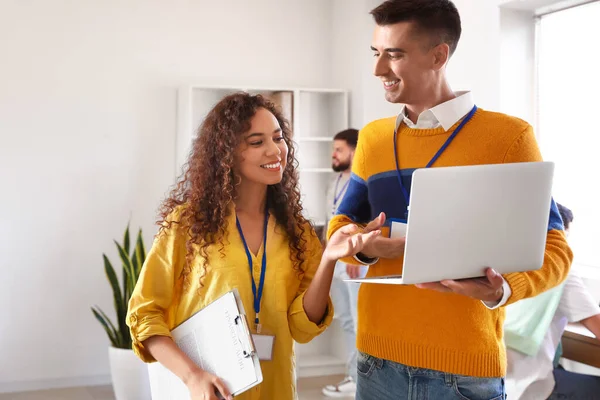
[129, 374]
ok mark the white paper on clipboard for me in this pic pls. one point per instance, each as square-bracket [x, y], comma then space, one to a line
[218, 340]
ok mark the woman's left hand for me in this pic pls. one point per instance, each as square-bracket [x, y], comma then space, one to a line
[347, 241]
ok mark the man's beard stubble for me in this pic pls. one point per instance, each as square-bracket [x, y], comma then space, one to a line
[341, 167]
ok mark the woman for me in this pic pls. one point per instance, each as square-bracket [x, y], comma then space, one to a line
[238, 195]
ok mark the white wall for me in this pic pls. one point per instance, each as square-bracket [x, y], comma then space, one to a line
[350, 54]
[476, 64]
[517, 49]
[87, 125]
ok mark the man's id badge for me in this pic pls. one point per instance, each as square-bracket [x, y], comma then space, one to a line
[398, 229]
[264, 346]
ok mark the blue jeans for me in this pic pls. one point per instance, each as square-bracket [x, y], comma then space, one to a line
[570, 385]
[380, 379]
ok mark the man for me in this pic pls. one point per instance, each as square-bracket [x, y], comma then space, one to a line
[344, 295]
[442, 339]
[531, 375]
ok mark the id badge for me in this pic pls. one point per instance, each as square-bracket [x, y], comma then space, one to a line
[264, 346]
[398, 229]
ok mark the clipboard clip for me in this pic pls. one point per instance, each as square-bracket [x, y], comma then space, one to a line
[248, 348]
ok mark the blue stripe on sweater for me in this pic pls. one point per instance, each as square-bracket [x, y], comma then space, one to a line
[555, 221]
[363, 201]
[355, 203]
[405, 173]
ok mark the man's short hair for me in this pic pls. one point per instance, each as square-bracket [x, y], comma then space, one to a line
[565, 214]
[350, 136]
[438, 18]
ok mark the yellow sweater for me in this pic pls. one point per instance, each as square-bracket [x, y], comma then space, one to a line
[159, 304]
[425, 328]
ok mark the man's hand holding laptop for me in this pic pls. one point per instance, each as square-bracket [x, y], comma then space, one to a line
[489, 288]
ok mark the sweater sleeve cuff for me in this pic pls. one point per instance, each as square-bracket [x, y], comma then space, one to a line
[518, 286]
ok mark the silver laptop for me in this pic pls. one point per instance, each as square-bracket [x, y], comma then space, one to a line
[464, 219]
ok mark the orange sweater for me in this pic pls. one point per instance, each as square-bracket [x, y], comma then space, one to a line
[424, 328]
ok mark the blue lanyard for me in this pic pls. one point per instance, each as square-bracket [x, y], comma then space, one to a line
[336, 194]
[435, 157]
[257, 293]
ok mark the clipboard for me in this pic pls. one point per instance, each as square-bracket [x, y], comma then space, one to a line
[218, 339]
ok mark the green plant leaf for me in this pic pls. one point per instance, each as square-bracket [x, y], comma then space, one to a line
[119, 300]
[140, 244]
[126, 239]
[118, 338]
[126, 285]
[135, 263]
[114, 282]
[128, 267]
[109, 331]
[131, 267]
[139, 256]
[126, 294]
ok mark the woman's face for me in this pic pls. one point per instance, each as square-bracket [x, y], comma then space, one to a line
[262, 154]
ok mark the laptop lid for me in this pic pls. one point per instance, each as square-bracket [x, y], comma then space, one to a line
[464, 219]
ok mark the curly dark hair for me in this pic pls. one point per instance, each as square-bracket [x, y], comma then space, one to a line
[206, 189]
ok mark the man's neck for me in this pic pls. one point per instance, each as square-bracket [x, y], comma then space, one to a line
[346, 173]
[251, 198]
[439, 95]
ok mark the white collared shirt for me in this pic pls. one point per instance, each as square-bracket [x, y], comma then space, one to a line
[445, 115]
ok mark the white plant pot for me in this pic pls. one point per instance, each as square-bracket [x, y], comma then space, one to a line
[129, 375]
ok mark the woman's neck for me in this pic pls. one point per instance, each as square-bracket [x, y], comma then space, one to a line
[251, 198]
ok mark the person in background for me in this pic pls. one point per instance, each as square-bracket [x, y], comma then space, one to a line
[234, 220]
[434, 340]
[344, 295]
[533, 376]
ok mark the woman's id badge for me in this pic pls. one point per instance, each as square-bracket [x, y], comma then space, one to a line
[264, 346]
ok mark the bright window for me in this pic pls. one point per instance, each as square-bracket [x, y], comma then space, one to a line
[568, 119]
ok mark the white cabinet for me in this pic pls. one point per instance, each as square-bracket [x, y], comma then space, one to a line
[316, 116]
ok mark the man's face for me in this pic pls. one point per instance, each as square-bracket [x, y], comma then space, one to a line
[341, 158]
[405, 62]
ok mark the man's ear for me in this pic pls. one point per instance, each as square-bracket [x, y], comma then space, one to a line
[441, 54]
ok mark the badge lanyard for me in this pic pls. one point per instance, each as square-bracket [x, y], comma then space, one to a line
[257, 293]
[435, 157]
[337, 195]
